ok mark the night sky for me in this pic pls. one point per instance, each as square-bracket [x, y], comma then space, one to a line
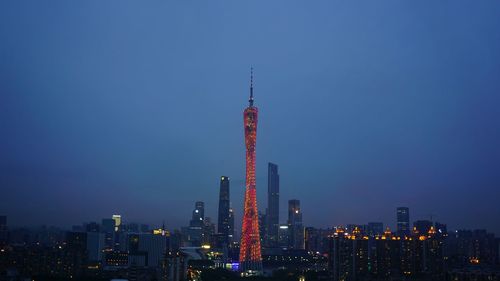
[135, 107]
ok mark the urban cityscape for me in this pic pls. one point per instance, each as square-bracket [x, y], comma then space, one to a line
[340, 188]
[209, 250]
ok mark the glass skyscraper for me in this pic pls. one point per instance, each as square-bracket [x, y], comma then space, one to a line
[223, 223]
[403, 221]
[273, 205]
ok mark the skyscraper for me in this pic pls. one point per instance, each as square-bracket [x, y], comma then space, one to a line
[154, 246]
[76, 256]
[223, 223]
[295, 225]
[108, 228]
[262, 226]
[283, 236]
[231, 224]
[196, 225]
[208, 231]
[198, 214]
[273, 205]
[119, 237]
[118, 221]
[95, 245]
[403, 221]
[348, 256]
[250, 253]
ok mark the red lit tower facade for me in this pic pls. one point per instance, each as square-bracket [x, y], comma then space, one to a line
[250, 254]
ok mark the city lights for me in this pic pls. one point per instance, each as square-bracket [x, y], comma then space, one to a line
[250, 251]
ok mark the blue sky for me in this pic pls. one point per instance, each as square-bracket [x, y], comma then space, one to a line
[136, 108]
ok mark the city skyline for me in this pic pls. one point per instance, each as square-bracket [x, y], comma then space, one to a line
[92, 129]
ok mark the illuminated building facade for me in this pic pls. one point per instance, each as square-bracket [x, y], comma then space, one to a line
[250, 252]
[422, 226]
[385, 258]
[118, 221]
[117, 235]
[348, 255]
[283, 236]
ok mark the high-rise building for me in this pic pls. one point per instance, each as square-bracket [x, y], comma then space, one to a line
[198, 214]
[385, 256]
[231, 225]
[108, 225]
[153, 245]
[273, 205]
[118, 221]
[95, 246]
[208, 231]
[472, 247]
[403, 221]
[433, 254]
[223, 223]
[119, 236]
[348, 256]
[108, 228]
[283, 236]
[250, 252]
[194, 233]
[76, 256]
[312, 239]
[295, 225]
[262, 226]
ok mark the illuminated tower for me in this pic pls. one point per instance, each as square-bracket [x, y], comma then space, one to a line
[250, 255]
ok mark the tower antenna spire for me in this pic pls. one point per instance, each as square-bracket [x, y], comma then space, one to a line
[251, 87]
[250, 250]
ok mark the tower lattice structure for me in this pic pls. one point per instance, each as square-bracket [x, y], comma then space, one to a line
[250, 252]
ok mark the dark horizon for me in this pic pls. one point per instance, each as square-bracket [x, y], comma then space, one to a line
[137, 110]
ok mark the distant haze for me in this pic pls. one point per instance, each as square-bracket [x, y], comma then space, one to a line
[135, 108]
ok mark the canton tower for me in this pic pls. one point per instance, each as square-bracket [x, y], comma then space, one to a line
[250, 255]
